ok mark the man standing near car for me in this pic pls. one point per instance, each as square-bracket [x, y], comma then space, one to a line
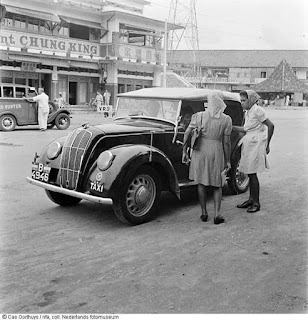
[43, 108]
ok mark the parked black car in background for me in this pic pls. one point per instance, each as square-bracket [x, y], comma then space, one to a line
[129, 162]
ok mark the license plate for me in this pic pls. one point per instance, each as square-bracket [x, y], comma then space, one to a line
[40, 172]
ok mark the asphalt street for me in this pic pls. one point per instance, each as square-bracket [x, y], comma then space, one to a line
[83, 260]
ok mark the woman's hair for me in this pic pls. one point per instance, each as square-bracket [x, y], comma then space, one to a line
[244, 93]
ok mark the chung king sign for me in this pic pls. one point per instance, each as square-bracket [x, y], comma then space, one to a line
[46, 43]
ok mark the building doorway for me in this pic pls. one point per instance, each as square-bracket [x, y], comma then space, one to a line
[46, 83]
[72, 93]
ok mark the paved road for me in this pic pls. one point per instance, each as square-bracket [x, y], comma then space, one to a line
[82, 260]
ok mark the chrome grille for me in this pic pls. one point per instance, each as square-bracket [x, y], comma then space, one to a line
[72, 155]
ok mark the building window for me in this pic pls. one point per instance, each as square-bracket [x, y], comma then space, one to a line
[20, 80]
[25, 23]
[43, 27]
[79, 32]
[63, 31]
[33, 25]
[137, 36]
[95, 34]
[306, 74]
[263, 74]
[8, 21]
[20, 22]
[7, 79]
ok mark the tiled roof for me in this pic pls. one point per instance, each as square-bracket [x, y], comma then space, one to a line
[240, 58]
[283, 79]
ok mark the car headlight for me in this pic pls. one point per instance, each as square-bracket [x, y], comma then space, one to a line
[104, 160]
[53, 150]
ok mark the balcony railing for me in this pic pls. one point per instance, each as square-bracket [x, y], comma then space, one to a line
[223, 80]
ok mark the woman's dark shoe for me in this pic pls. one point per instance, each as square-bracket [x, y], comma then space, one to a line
[219, 220]
[254, 208]
[245, 204]
[204, 217]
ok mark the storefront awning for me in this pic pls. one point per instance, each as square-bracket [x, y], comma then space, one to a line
[90, 24]
[33, 13]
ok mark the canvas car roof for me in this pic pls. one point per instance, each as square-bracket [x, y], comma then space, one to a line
[177, 94]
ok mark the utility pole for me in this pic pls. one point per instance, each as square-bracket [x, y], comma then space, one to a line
[183, 12]
[165, 56]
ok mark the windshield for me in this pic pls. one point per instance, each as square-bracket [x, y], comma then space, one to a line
[147, 107]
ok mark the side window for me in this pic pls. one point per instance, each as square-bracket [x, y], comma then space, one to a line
[8, 92]
[31, 93]
[20, 92]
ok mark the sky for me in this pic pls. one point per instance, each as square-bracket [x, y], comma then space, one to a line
[239, 24]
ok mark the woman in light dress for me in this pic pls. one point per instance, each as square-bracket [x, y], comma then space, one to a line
[212, 154]
[258, 131]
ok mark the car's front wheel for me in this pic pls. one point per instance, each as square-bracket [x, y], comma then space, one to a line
[62, 199]
[7, 123]
[62, 121]
[238, 182]
[136, 201]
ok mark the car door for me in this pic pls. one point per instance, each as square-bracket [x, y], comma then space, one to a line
[181, 168]
[23, 105]
[33, 116]
[33, 108]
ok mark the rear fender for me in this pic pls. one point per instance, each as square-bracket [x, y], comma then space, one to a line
[9, 113]
[127, 159]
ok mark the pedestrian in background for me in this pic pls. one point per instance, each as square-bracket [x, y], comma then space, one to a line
[42, 100]
[98, 101]
[212, 155]
[258, 131]
[107, 96]
[61, 102]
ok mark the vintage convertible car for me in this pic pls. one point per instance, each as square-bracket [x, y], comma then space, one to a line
[129, 162]
[16, 108]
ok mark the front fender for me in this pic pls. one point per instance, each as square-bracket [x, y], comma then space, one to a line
[53, 115]
[127, 159]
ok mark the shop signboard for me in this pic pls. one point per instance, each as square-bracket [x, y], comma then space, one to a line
[21, 40]
[28, 66]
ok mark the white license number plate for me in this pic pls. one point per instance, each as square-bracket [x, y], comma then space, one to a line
[40, 172]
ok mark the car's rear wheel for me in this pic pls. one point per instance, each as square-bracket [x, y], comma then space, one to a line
[238, 182]
[136, 201]
[7, 123]
[62, 199]
[62, 121]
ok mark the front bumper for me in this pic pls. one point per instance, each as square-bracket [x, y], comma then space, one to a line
[71, 193]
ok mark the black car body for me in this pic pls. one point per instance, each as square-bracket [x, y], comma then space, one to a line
[17, 109]
[129, 162]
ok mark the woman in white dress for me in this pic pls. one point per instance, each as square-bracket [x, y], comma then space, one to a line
[258, 131]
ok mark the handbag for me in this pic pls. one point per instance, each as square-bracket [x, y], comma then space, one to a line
[195, 136]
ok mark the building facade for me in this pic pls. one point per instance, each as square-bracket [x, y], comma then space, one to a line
[79, 47]
[235, 70]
